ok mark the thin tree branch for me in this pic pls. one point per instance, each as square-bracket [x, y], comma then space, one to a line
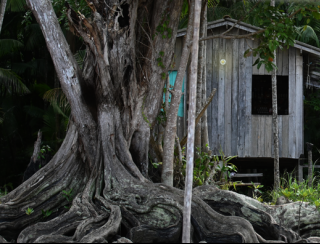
[198, 117]
[233, 36]
[227, 31]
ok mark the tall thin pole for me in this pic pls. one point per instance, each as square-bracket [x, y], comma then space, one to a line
[191, 125]
[275, 126]
[309, 148]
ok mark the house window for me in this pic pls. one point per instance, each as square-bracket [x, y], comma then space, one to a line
[172, 79]
[262, 95]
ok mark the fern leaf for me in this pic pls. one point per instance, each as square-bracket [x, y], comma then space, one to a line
[11, 82]
[8, 46]
[306, 34]
[56, 96]
[79, 56]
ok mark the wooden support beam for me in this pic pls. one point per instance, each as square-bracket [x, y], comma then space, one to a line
[248, 175]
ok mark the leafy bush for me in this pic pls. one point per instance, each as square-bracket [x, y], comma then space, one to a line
[209, 169]
[298, 191]
[5, 189]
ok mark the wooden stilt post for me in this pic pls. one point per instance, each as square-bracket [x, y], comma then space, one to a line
[309, 148]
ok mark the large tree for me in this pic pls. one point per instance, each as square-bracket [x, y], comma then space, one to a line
[97, 184]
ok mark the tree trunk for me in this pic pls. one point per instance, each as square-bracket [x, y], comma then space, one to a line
[94, 185]
[172, 112]
[310, 171]
[186, 234]
[275, 126]
[201, 60]
[2, 12]
[204, 120]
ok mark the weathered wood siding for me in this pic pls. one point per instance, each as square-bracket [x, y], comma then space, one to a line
[231, 125]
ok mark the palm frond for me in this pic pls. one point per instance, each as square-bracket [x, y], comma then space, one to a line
[34, 37]
[8, 46]
[79, 56]
[306, 34]
[56, 96]
[20, 68]
[212, 3]
[49, 120]
[58, 110]
[10, 82]
[16, 5]
[34, 111]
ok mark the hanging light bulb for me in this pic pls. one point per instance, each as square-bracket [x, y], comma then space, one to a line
[223, 61]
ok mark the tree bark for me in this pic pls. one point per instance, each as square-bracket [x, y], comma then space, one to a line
[172, 112]
[199, 115]
[186, 234]
[32, 167]
[201, 60]
[275, 120]
[2, 12]
[204, 120]
[310, 173]
[94, 185]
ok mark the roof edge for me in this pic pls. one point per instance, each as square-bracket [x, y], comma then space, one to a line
[251, 28]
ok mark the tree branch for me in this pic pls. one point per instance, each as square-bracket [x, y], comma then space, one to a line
[233, 36]
[199, 115]
[68, 73]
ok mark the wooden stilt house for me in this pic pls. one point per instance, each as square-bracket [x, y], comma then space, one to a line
[240, 115]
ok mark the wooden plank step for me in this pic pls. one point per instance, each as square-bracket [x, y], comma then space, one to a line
[306, 166]
[248, 175]
[247, 184]
[244, 184]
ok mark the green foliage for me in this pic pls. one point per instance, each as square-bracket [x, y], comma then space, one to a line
[46, 214]
[29, 211]
[307, 34]
[256, 191]
[80, 56]
[68, 195]
[313, 100]
[11, 83]
[156, 165]
[163, 28]
[43, 151]
[280, 29]
[206, 168]
[16, 5]
[58, 100]
[61, 10]
[5, 189]
[298, 191]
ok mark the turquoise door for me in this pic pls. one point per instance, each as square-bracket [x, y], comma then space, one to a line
[172, 79]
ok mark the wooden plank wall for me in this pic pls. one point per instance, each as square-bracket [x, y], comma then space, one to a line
[231, 125]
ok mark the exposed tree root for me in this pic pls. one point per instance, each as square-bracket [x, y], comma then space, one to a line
[113, 104]
[42, 191]
[118, 200]
[265, 219]
[126, 203]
